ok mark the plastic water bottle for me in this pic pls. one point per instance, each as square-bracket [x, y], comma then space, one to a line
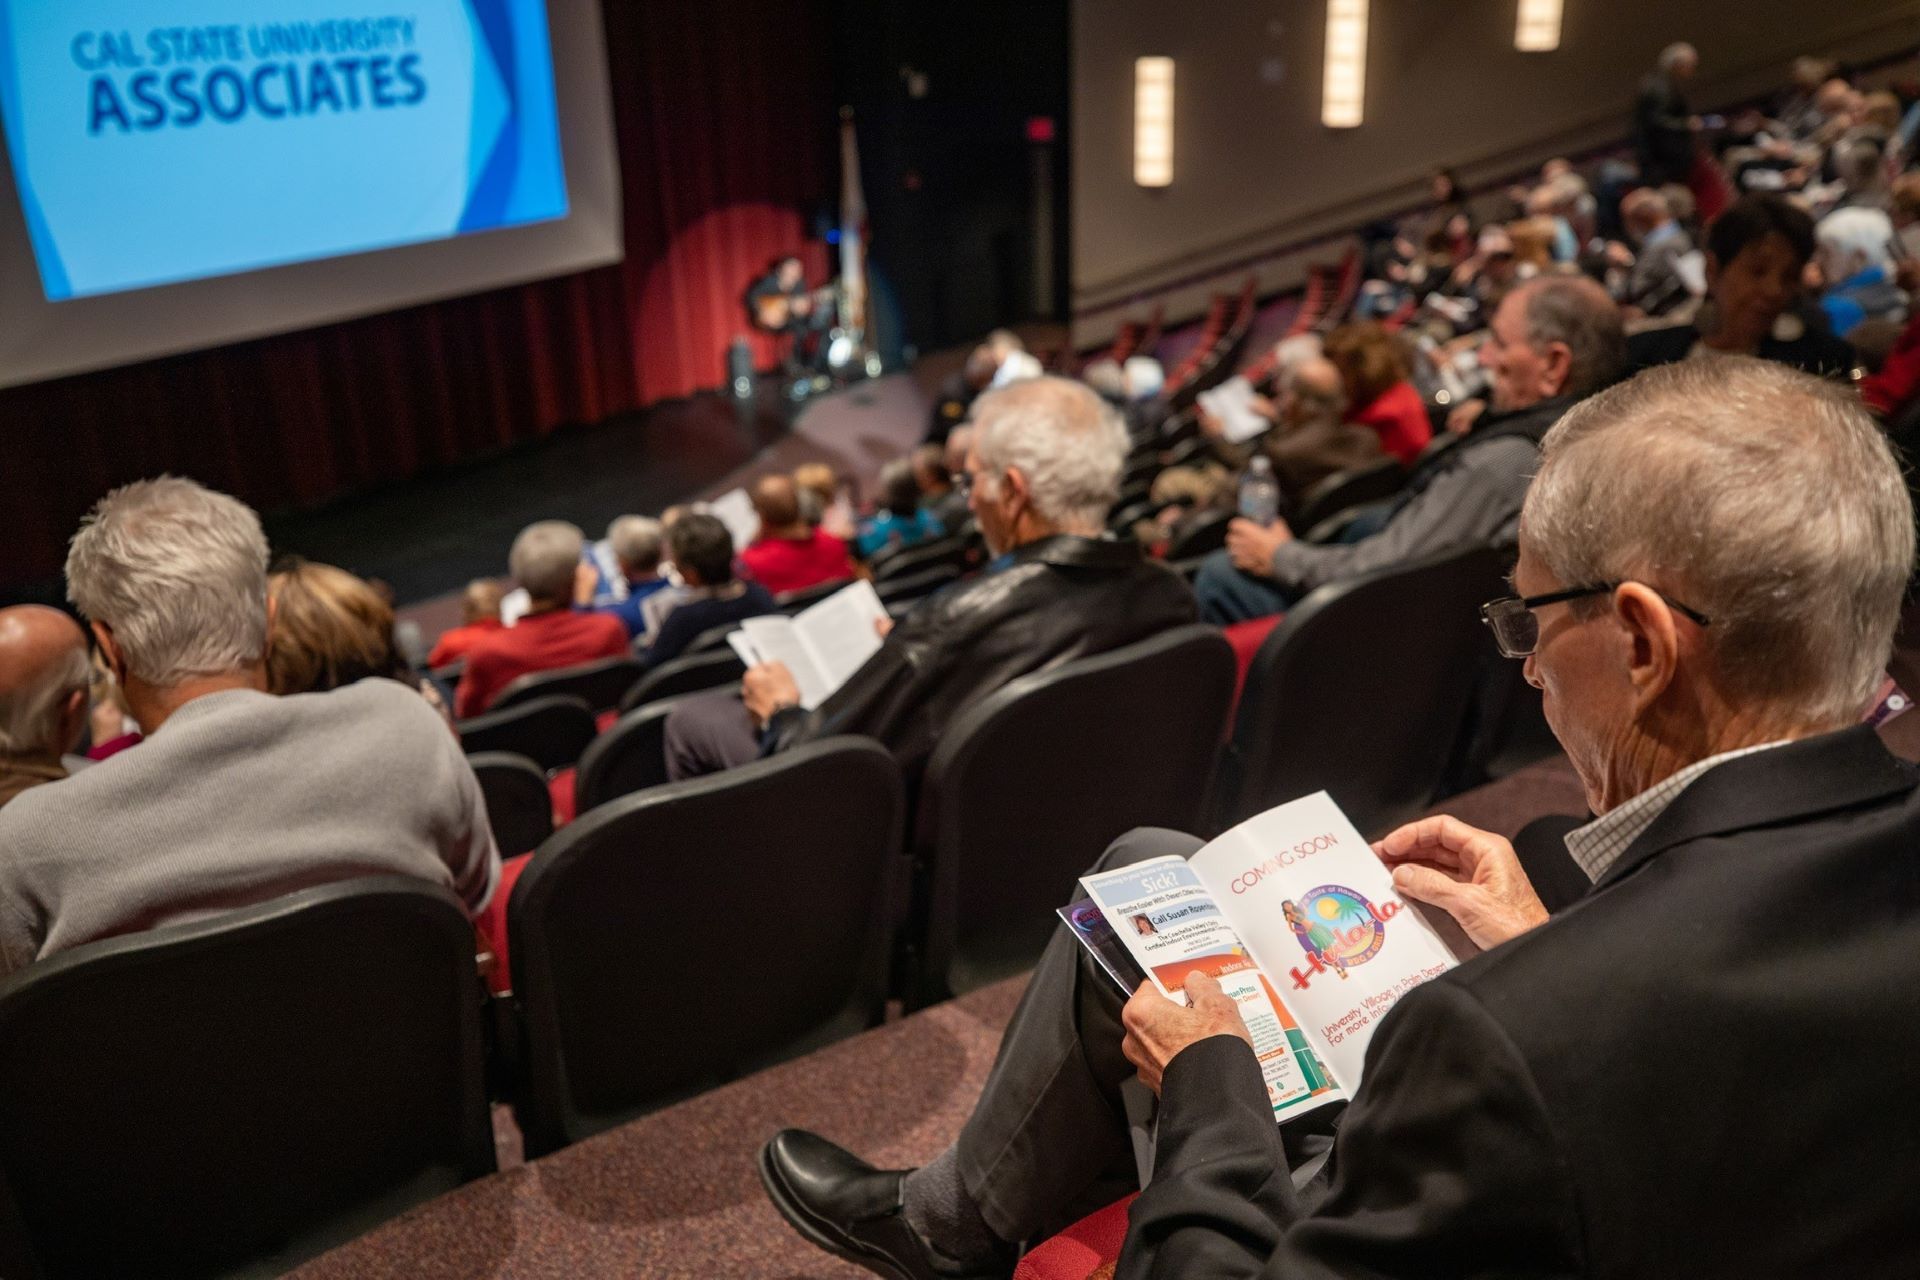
[1260, 492]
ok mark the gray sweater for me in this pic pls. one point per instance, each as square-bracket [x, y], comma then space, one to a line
[238, 798]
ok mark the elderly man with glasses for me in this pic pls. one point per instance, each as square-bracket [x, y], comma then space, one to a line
[1705, 1067]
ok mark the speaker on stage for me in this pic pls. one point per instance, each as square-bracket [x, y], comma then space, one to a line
[740, 368]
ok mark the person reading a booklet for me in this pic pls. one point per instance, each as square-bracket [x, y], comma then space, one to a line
[1705, 1067]
[1044, 465]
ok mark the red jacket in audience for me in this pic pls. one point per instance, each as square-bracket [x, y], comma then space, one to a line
[455, 644]
[794, 564]
[1400, 417]
[538, 642]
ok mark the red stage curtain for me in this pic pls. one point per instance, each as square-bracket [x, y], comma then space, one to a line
[726, 135]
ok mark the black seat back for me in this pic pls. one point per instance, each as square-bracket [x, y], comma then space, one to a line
[598, 684]
[241, 1093]
[676, 937]
[1029, 786]
[1206, 533]
[630, 756]
[794, 601]
[688, 673]
[550, 731]
[953, 548]
[1363, 691]
[917, 585]
[1349, 488]
[519, 806]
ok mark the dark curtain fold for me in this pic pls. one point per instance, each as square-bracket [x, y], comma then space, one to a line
[725, 121]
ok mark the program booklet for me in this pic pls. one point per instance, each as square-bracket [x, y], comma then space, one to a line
[1297, 919]
[821, 645]
[1232, 403]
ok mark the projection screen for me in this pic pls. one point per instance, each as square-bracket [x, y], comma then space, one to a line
[181, 174]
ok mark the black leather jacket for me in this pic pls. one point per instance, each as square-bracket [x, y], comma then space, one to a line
[1060, 598]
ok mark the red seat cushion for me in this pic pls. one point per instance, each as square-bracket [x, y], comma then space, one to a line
[1084, 1251]
[491, 924]
[1246, 639]
[560, 790]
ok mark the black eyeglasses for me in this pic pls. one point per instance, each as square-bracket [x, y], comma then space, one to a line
[1517, 631]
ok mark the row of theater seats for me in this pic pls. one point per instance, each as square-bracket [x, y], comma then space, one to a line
[267, 1083]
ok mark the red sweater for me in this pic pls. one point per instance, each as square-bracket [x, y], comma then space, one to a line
[1400, 417]
[539, 642]
[794, 564]
[454, 644]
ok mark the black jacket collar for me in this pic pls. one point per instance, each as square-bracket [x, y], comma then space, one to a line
[1815, 775]
[1070, 550]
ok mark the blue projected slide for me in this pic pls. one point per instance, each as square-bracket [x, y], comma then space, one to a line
[157, 141]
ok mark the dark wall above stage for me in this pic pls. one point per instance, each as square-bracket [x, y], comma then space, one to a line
[725, 115]
[1254, 169]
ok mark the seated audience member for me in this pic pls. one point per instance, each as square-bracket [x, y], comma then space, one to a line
[955, 396]
[901, 520]
[1710, 710]
[1045, 467]
[1757, 252]
[1379, 394]
[1309, 440]
[788, 555]
[110, 724]
[1656, 283]
[44, 675]
[702, 553]
[1856, 260]
[329, 629]
[235, 796]
[636, 543]
[939, 496]
[1553, 341]
[479, 616]
[544, 562]
[1892, 390]
[816, 488]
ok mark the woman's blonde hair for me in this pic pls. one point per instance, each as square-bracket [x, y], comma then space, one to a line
[329, 629]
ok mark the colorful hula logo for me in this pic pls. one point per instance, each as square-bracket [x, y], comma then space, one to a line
[1336, 926]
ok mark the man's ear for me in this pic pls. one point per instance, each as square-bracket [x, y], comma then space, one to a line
[110, 651]
[1653, 642]
[1016, 493]
[1554, 368]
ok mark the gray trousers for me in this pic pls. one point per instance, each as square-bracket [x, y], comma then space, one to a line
[709, 733]
[1048, 1142]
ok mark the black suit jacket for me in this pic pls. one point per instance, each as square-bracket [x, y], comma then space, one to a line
[1708, 1067]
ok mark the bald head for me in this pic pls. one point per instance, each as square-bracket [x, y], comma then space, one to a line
[777, 504]
[1315, 391]
[43, 681]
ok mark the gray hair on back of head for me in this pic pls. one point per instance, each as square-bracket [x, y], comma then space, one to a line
[545, 557]
[1578, 312]
[637, 541]
[1069, 444]
[1763, 497]
[1674, 54]
[178, 572]
[30, 716]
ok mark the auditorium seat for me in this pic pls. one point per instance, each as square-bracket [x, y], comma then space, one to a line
[551, 731]
[232, 1096]
[631, 756]
[1208, 533]
[681, 936]
[1030, 785]
[686, 674]
[954, 548]
[711, 639]
[1347, 489]
[791, 602]
[519, 803]
[1364, 690]
[917, 586]
[1084, 1251]
[598, 684]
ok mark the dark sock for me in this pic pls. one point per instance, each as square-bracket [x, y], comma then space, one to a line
[936, 1203]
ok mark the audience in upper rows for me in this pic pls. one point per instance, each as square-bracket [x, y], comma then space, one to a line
[1044, 468]
[1553, 341]
[44, 678]
[234, 796]
[545, 563]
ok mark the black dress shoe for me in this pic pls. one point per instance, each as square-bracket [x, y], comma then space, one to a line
[847, 1207]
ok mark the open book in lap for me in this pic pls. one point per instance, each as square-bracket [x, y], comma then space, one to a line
[1295, 916]
[822, 645]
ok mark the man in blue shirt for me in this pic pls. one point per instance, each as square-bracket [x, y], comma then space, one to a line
[635, 543]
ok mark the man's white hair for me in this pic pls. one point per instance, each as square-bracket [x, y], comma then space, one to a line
[545, 558]
[1863, 237]
[1674, 54]
[31, 714]
[1764, 498]
[636, 541]
[179, 574]
[1068, 443]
